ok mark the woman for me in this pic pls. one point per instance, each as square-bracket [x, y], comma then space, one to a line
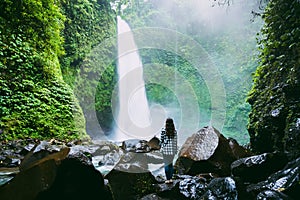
[168, 140]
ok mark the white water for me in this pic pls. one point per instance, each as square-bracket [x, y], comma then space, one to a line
[133, 115]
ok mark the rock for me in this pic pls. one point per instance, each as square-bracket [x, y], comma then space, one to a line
[285, 180]
[131, 177]
[201, 145]
[270, 194]
[192, 187]
[27, 149]
[221, 188]
[32, 159]
[7, 161]
[47, 175]
[136, 145]
[186, 187]
[238, 150]
[152, 197]
[170, 191]
[6, 174]
[208, 151]
[28, 183]
[76, 180]
[130, 185]
[154, 143]
[11, 153]
[259, 167]
[134, 162]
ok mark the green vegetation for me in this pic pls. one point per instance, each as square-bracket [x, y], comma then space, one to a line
[37, 38]
[274, 98]
[231, 46]
[89, 35]
[52, 50]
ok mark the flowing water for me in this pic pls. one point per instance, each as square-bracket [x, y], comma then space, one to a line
[133, 116]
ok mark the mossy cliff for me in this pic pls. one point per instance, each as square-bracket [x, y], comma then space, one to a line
[37, 38]
[275, 97]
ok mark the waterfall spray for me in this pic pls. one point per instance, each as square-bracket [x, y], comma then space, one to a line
[133, 114]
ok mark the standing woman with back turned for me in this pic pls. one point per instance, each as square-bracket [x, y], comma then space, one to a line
[168, 140]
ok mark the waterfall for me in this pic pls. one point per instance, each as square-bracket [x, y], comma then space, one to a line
[133, 114]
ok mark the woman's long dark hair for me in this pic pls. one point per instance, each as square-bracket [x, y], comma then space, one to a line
[170, 128]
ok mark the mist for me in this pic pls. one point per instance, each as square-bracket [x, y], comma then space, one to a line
[226, 34]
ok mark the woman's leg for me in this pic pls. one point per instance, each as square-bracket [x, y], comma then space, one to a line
[169, 171]
[168, 160]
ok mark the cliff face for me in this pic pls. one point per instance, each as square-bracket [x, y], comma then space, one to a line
[275, 97]
[36, 41]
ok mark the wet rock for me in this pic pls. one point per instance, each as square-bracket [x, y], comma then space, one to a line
[36, 157]
[105, 147]
[133, 163]
[221, 188]
[47, 146]
[110, 158]
[6, 174]
[29, 182]
[11, 153]
[131, 176]
[208, 151]
[55, 175]
[186, 187]
[152, 197]
[27, 149]
[259, 167]
[154, 143]
[141, 146]
[76, 180]
[285, 180]
[272, 195]
[130, 185]
[192, 187]
[170, 191]
[136, 145]
[238, 150]
[7, 161]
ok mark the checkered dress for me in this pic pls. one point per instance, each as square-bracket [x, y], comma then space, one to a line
[168, 144]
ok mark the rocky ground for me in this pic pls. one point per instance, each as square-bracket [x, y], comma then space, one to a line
[209, 166]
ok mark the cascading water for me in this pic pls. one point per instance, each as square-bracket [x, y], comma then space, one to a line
[133, 114]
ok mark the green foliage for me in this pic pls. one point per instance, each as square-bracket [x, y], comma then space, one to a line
[40, 111]
[232, 48]
[34, 100]
[88, 23]
[38, 23]
[105, 97]
[274, 98]
[170, 76]
[89, 26]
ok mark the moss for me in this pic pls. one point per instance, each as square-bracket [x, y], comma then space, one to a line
[41, 111]
[275, 95]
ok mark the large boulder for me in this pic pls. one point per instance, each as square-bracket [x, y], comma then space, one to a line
[284, 182]
[34, 177]
[208, 151]
[55, 174]
[187, 187]
[76, 180]
[259, 167]
[221, 188]
[131, 177]
[141, 146]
